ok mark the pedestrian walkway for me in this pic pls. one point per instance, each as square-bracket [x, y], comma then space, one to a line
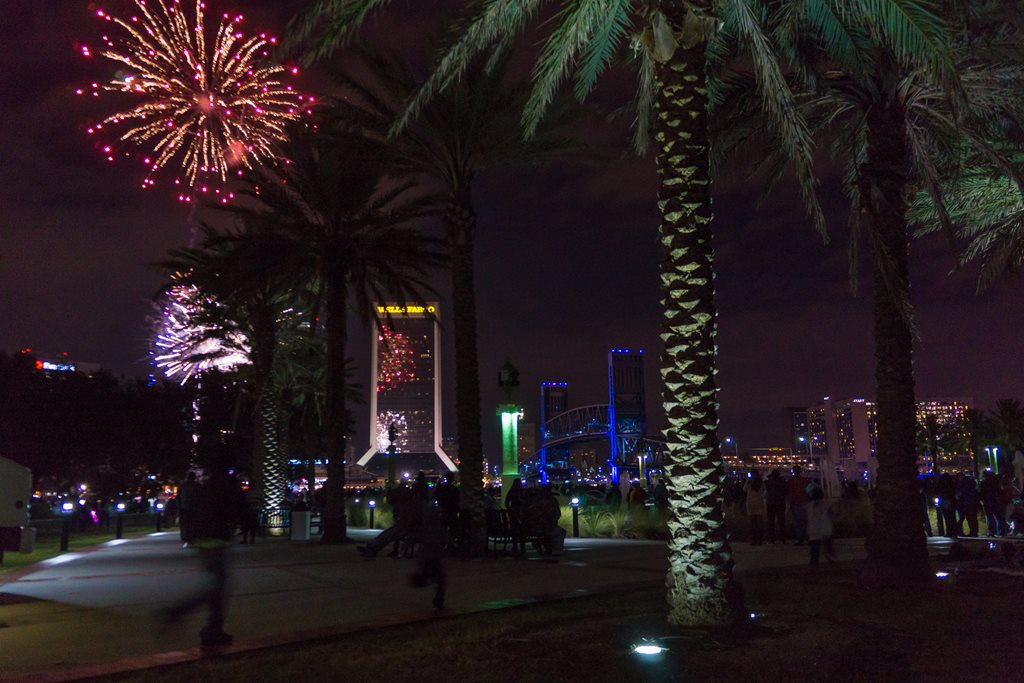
[93, 613]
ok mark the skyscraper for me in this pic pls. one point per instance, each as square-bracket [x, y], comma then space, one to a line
[405, 396]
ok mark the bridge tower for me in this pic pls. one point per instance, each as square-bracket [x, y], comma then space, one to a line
[627, 410]
[554, 400]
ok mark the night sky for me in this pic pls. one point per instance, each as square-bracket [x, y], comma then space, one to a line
[567, 259]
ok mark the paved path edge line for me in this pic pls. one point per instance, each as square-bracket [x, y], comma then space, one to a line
[162, 659]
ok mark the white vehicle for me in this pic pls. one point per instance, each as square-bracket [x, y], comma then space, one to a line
[15, 497]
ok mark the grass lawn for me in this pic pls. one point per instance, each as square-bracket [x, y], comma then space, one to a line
[812, 625]
[49, 546]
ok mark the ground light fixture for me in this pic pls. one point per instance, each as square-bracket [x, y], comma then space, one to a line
[647, 648]
[373, 506]
[941, 575]
[67, 506]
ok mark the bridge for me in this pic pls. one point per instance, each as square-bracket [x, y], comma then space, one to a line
[621, 423]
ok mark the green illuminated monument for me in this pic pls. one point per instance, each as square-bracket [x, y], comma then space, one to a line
[510, 413]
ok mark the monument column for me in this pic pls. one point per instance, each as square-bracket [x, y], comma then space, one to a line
[510, 413]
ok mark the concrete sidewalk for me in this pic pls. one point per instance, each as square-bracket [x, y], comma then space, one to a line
[93, 613]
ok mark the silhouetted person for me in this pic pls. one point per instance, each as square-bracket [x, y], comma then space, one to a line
[660, 494]
[968, 499]
[775, 506]
[541, 511]
[945, 491]
[401, 501]
[219, 504]
[995, 511]
[796, 496]
[431, 535]
[514, 503]
[819, 526]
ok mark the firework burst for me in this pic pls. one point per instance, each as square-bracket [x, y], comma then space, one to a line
[186, 345]
[396, 361]
[213, 109]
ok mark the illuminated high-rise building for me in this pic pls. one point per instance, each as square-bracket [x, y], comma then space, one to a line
[405, 392]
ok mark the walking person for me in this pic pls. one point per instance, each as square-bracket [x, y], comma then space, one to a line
[218, 509]
[775, 506]
[756, 508]
[430, 537]
[796, 496]
[819, 526]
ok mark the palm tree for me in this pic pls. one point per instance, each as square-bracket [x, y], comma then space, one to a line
[983, 186]
[669, 42]
[250, 292]
[471, 127]
[1006, 426]
[895, 90]
[346, 229]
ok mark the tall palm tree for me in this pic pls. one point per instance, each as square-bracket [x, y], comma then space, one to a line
[669, 42]
[251, 291]
[352, 232]
[895, 90]
[468, 129]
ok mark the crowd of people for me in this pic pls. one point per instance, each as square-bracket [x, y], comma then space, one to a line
[959, 499]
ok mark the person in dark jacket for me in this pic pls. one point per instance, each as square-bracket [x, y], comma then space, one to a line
[514, 503]
[432, 537]
[967, 502]
[995, 511]
[661, 495]
[775, 505]
[219, 504]
[945, 491]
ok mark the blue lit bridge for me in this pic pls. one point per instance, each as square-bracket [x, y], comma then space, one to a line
[620, 423]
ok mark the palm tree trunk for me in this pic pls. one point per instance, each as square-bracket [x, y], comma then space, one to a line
[896, 545]
[460, 221]
[335, 419]
[267, 459]
[701, 587]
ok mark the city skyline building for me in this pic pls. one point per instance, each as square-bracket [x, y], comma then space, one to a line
[844, 432]
[405, 391]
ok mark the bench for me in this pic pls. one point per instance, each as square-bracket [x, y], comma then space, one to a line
[499, 531]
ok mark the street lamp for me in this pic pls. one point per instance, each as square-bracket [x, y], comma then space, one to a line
[575, 504]
[120, 507]
[373, 506]
[67, 507]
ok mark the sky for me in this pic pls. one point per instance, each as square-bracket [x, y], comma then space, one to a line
[567, 258]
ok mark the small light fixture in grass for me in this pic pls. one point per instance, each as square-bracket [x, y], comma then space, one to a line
[648, 648]
[941, 575]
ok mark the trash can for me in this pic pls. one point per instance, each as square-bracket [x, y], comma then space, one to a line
[300, 525]
[27, 542]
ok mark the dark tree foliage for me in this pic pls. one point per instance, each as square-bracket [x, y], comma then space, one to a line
[70, 428]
